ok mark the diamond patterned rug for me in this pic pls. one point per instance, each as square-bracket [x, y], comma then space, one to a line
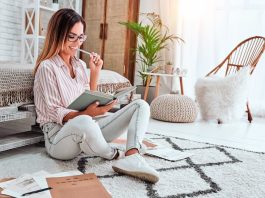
[212, 172]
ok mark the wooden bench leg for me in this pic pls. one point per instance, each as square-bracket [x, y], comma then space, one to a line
[157, 86]
[147, 87]
[181, 85]
[249, 114]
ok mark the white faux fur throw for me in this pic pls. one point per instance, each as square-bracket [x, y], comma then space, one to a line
[258, 109]
[223, 99]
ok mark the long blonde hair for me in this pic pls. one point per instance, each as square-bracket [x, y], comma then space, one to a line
[59, 26]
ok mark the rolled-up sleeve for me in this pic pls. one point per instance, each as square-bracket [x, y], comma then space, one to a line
[51, 95]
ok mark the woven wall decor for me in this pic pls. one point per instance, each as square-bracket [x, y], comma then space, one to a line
[174, 108]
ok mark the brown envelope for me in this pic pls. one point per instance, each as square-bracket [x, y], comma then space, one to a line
[79, 186]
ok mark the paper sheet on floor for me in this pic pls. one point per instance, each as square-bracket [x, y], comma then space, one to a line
[41, 180]
[31, 182]
[147, 143]
[23, 184]
[168, 154]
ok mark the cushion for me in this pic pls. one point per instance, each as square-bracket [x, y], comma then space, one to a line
[110, 81]
[107, 76]
[223, 99]
[173, 108]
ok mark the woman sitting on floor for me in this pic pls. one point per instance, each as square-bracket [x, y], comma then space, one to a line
[60, 77]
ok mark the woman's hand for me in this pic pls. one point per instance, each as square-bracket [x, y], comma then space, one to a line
[94, 110]
[95, 63]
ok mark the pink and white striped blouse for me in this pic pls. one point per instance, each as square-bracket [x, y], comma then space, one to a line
[55, 89]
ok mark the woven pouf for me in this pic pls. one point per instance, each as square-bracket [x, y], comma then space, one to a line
[174, 108]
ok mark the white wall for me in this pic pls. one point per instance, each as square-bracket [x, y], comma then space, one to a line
[149, 6]
[11, 25]
[10, 30]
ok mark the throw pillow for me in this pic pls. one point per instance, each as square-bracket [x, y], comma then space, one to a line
[107, 76]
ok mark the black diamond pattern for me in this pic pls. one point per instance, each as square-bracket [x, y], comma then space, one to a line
[152, 193]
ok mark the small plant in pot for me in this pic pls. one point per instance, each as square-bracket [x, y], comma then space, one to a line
[169, 67]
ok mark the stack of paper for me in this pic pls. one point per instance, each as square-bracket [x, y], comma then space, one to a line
[60, 185]
[164, 151]
[23, 184]
[157, 149]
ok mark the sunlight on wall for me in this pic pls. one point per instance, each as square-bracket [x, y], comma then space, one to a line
[193, 8]
[212, 28]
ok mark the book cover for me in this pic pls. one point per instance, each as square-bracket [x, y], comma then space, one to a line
[88, 97]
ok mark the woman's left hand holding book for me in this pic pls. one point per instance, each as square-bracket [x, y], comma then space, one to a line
[95, 110]
[92, 110]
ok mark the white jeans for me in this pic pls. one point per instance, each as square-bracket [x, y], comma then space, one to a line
[82, 133]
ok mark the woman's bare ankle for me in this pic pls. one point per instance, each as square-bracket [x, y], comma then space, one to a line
[131, 152]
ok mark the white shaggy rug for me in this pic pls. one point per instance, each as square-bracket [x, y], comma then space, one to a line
[212, 172]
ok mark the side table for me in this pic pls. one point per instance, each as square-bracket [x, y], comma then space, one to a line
[158, 76]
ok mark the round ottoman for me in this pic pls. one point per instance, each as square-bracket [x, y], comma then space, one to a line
[174, 108]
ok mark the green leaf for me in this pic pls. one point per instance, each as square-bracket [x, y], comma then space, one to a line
[151, 41]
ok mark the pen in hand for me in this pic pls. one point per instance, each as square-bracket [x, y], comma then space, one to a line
[83, 51]
[90, 54]
[36, 191]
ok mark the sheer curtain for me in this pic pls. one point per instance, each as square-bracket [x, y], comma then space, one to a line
[211, 29]
[167, 9]
[169, 15]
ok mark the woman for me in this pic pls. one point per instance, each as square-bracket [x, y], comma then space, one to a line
[60, 78]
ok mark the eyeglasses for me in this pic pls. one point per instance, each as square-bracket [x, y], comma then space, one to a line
[73, 37]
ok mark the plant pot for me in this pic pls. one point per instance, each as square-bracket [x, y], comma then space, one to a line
[151, 93]
[55, 6]
[168, 69]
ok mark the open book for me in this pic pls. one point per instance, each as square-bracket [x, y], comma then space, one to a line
[88, 97]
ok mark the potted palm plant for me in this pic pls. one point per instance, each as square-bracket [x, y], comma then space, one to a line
[152, 38]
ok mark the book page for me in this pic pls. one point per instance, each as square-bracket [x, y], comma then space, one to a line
[122, 92]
